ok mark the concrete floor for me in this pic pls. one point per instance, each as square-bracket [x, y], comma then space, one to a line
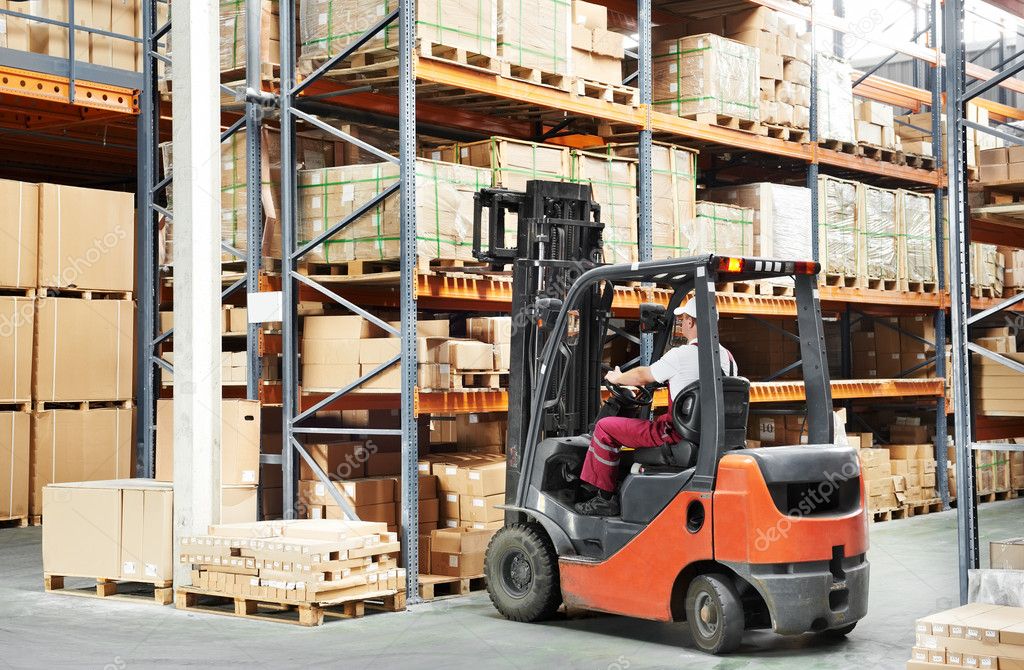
[913, 573]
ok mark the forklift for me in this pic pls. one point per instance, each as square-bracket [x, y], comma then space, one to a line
[711, 533]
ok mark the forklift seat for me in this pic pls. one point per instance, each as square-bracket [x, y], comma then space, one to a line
[686, 422]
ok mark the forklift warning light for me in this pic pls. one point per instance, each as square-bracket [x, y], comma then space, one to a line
[727, 264]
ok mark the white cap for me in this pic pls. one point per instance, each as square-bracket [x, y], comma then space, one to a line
[689, 309]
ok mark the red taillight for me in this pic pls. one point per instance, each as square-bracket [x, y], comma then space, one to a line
[805, 268]
[730, 264]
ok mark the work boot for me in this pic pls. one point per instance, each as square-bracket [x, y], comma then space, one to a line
[599, 506]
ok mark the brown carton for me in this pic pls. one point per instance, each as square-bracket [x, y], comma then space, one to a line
[14, 464]
[486, 479]
[19, 228]
[481, 508]
[79, 445]
[84, 349]
[239, 446]
[340, 460]
[86, 238]
[17, 317]
[82, 534]
[458, 552]
[146, 534]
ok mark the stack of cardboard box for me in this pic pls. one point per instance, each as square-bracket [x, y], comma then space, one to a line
[1013, 271]
[880, 350]
[239, 455]
[760, 350]
[722, 229]
[116, 16]
[839, 218]
[294, 561]
[234, 364]
[915, 133]
[882, 490]
[915, 463]
[879, 238]
[916, 216]
[534, 37]
[596, 51]
[1001, 165]
[612, 181]
[988, 267]
[781, 216]
[84, 343]
[875, 124]
[233, 45]
[977, 635]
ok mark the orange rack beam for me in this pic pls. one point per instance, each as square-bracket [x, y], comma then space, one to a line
[54, 90]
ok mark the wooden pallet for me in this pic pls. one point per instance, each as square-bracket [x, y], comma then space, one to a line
[268, 72]
[922, 286]
[618, 93]
[376, 266]
[997, 496]
[890, 514]
[985, 292]
[44, 405]
[459, 56]
[18, 292]
[19, 406]
[787, 133]
[919, 161]
[773, 290]
[14, 522]
[741, 287]
[844, 281]
[35, 520]
[483, 380]
[438, 586]
[839, 145]
[883, 284]
[160, 593]
[919, 507]
[727, 121]
[533, 75]
[82, 294]
[878, 153]
[284, 611]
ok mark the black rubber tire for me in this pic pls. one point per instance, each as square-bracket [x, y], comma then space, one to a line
[524, 551]
[842, 631]
[725, 632]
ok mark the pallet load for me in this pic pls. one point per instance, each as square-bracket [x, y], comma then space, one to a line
[838, 215]
[444, 203]
[239, 455]
[328, 27]
[977, 635]
[612, 182]
[14, 467]
[878, 239]
[306, 564]
[722, 229]
[673, 194]
[597, 52]
[916, 215]
[915, 133]
[916, 464]
[471, 486]
[760, 350]
[874, 125]
[988, 268]
[1001, 165]
[233, 45]
[1013, 272]
[997, 388]
[835, 100]
[882, 490]
[19, 223]
[534, 40]
[110, 531]
[708, 78]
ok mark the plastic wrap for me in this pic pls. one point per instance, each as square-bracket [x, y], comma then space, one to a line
[673, 195]
[835, 99]
[781, 215]
[327, 27]
[879, 233]
[838, 223]
[444, 210]
[916, 213]
[535, 34]
[987, 266]
[722, 229]
[233, 42]
[996, 587]
[706, 74]
[613, 184]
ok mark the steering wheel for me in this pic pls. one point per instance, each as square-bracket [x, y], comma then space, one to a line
[640, 396]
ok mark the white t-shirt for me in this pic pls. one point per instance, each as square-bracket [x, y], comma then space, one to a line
[679, 366]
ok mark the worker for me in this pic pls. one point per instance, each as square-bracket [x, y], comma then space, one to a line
[679, 368]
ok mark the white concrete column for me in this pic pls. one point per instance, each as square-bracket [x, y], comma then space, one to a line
[197, 343]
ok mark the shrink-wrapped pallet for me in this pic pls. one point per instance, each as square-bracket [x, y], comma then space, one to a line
[835, 99]
[444, 210]
[723, 229]
[916, 213]
[706, 74]
[613, 186]
[879, 233]
[535, 34]
[781, 216]
[328, 27]
[839, 225]
[233, 40]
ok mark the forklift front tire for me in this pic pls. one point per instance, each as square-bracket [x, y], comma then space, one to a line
[714, 614]
[522, 573]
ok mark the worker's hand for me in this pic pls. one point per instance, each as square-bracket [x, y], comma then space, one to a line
[613, 376]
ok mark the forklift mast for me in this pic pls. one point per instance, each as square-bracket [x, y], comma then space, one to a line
[558, 237]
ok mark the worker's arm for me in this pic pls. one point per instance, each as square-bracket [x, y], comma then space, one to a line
[637, 376]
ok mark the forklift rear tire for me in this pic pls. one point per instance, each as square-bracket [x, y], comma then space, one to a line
[841, 632]
[714, 614]
[522, 573]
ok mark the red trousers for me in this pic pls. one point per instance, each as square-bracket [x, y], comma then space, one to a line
[601, 467]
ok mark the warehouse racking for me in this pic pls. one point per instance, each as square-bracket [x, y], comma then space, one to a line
[417, 92]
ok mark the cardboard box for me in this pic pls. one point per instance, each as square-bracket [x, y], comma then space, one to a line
[384, 464]
[86, 238]
[340, 460]
[902, 434]
[1007, 554]
[458, 552]
[19, 228]
[590, 15]
[993, 173]
[84, 349]
[485, 479]
[356, 492]
[492, 329]
[481, 508]
[14, 464]
[17, 320]
[71, 445]
[146, 533]
[470, 355]
[239, 445]
[449, 506]
[338, 327]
